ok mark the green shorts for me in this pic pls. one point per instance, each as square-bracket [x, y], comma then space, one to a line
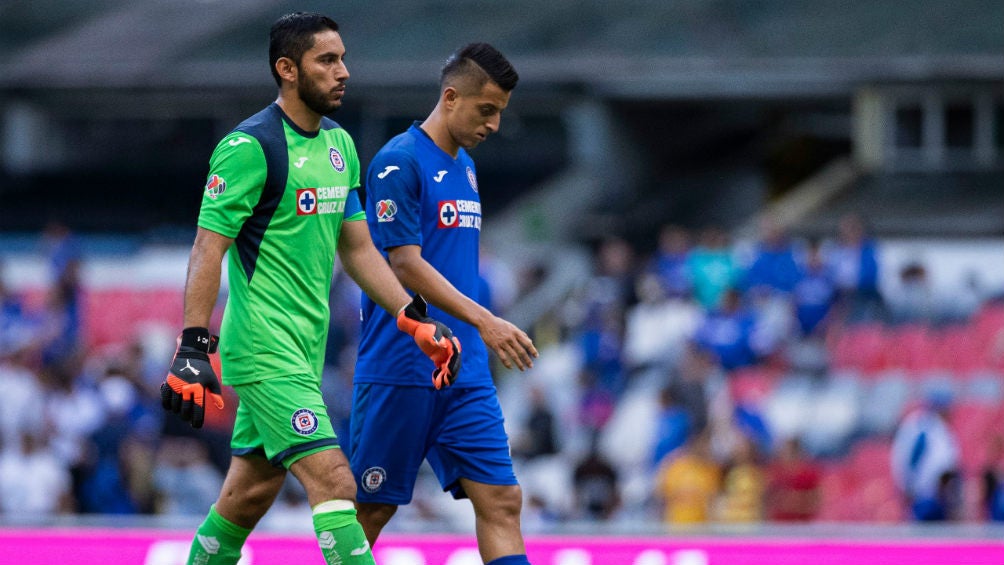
[282, 419]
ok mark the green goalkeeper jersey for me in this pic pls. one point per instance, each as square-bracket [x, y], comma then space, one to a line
[282, 193]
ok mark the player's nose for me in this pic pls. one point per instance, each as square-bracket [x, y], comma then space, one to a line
[493, 123]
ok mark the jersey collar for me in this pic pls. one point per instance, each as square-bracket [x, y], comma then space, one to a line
[426, 138]
[293, 126]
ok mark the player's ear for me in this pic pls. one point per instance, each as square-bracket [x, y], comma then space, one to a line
[450, 96]
[287, 69]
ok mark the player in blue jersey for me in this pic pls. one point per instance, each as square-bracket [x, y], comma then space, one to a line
[424, 213]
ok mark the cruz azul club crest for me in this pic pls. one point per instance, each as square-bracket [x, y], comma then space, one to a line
[373, 479]
[306, 201]
[336, 160]
[472, 179]
[304, 421]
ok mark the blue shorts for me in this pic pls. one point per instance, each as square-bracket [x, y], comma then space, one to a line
[393, 428]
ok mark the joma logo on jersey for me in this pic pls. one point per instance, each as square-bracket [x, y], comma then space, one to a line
[459, 214]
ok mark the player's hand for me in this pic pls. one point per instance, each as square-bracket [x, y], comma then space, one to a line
[513, 347]
[192, 380]
[434, 338]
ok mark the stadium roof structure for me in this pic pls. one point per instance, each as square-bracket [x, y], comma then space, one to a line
[631, 48]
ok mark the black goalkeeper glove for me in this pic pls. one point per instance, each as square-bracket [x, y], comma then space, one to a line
[434, 338]
[192, 380]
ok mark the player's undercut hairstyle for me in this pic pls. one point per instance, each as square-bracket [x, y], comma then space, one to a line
[475, 64]
[292, 35]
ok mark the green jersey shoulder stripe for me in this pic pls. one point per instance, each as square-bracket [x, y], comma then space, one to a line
[266, 128]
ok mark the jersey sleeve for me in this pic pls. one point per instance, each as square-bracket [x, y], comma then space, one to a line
[234, 185]
[353, 208]
[394, 186]
[352, 158]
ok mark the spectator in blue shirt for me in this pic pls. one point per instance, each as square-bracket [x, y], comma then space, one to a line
[814, 293]
[773, 269]
[728, 332]
[670, 261]
[853, 261]
[673, 425]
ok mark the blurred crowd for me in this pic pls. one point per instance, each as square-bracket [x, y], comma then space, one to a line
[82, 430]
[697, 383]
[650, 401]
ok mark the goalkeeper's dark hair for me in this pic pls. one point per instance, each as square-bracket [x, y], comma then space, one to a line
[292, 35]
[479, 63]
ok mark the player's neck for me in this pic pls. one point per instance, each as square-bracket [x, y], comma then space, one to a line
[298, 112]
[435, 126]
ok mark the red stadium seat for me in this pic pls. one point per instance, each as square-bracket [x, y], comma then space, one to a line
[112, 316]
[751, 385]
[861, 347]
[837, 488]
[988, 330]
[959, 349]
[913, 347]
[975, 424]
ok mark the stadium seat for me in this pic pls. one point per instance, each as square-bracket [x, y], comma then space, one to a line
[112, 315]
[913, 347]
[862, 347]
[988, 330]
[975, 424]
[876, 493]
[837, 488]
[871, 457]
[752, 385]
[959, 349]
[990, 318]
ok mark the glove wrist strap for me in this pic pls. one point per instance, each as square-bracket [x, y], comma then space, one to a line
[197, 338]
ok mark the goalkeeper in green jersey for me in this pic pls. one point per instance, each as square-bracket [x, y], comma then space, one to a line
[280, 200]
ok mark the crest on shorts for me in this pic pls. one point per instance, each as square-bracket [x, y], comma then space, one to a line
[373, 479]
[304, 421]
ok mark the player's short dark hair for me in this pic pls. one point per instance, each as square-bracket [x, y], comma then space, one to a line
[292, 35]
[480, 62]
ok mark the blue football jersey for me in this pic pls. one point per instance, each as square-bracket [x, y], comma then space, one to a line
[417, 194]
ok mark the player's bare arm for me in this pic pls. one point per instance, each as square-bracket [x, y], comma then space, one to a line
[366, 266]
[512, 345]
[202, 284]
[191, 381]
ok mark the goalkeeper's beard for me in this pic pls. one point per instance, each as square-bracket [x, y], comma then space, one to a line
[316, 100]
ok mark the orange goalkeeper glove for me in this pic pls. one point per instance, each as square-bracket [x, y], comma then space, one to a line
[192, 380]
[434, 338]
